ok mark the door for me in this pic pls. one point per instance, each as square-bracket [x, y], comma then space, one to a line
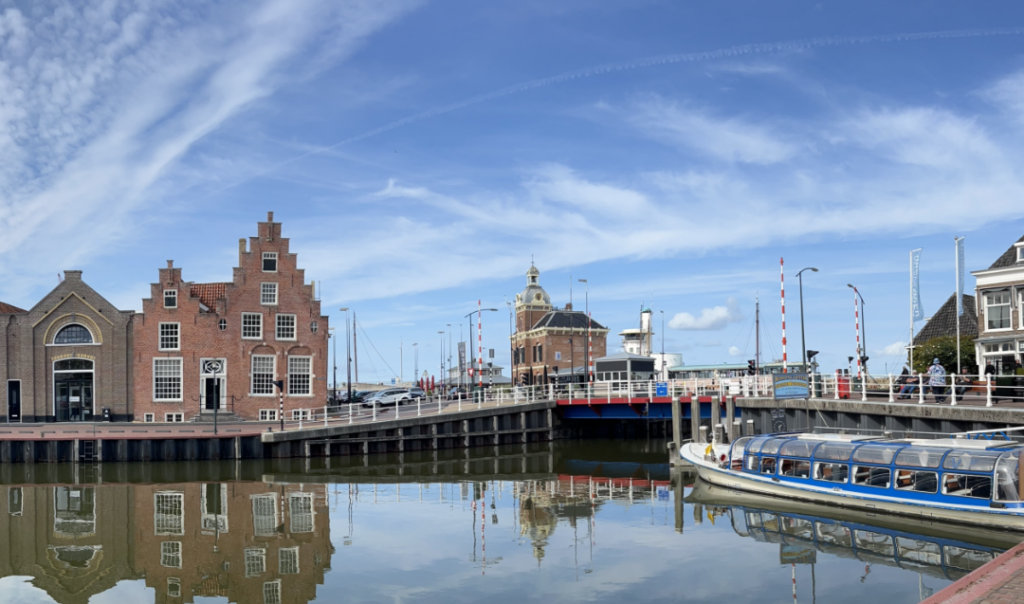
[211, 393]
[75, 401]
[13, 401]
[61, 394]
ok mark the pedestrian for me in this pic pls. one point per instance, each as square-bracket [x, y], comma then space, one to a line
[990, 369]
[908, 382]
[937, 380]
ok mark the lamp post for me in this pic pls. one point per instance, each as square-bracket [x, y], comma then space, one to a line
[449, 349]
[334, 340]
[470, 318]
[803, 343]
[664, 367]
[586, 307]
[415, 361]
[441, 333]
[863, 332]
[348, 355]
[511, 347]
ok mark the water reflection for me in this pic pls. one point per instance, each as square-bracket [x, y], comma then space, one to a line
[598, 521]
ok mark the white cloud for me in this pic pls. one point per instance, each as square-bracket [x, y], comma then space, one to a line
[734, 351]
[896, 349]
[710, 319]
[1008, 94]
[730, 139]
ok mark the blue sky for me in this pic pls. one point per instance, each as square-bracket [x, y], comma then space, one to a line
[418, 154]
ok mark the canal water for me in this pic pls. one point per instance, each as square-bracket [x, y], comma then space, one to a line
[594, 521]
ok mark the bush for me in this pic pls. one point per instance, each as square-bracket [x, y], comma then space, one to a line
[944, 348]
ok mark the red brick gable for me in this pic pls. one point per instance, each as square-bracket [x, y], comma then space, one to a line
[8, 309]
[208, 293]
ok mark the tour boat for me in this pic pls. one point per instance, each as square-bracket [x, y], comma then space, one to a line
[957, 480]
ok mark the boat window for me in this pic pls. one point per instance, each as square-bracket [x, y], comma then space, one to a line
[797, 448]
[739, 444]
[971, 461]
[798, 527]
[879, 454]
[831, 472]
[752, 463]
[772, 447]
[917, 480]
[754, 446]
[767, 465]
[1008, 482]
[967, 485]
[797, 468]
[836, 534]
[869, 476]
[874, 542]
[920, 457]
[916, 550]
[754, 520]
[966, 559]
[835, 451]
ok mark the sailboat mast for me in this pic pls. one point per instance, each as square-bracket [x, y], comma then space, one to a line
[757, 335]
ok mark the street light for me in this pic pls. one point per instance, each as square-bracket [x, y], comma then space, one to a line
[803, 344]
[664, 371]
[441, 333]
[348, 355]
[587, 307]
[469, 316]
[863, 332]
[330, 336]
[511, 346]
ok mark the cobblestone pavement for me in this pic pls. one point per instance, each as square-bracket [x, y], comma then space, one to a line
[1001, 581]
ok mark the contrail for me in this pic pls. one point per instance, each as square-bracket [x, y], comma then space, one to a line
[586, 72]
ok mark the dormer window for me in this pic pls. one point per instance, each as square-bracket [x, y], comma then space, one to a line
[170, 298]
[269, 262]
[1020, 252]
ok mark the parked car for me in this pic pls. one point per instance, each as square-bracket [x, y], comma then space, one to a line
[416, 392]
[388, 396]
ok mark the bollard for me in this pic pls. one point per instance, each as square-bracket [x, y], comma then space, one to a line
[891, 399]
[920, 389]
[737, 427]
[719, 433]
[703, 434]
[952, 387]
[350, 413]
[374, 411]
[988, 390]
[460, 402]
[749, 428]
[418, 399]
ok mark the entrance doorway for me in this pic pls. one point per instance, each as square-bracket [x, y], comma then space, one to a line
[213, 381]
[14, 401]
[212, 392]
[73, 390]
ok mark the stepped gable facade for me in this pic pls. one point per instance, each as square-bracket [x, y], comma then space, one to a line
[200, 345]
[549, 342]
[999, 291]
[68, 358]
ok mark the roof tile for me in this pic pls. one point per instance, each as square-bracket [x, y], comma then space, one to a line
[208, 293]
[10, 309]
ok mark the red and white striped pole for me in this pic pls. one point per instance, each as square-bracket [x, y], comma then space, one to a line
[856, 326]
[479, 345]
[782, 277]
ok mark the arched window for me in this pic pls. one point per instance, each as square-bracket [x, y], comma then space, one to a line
[73, 334]
[73, 365]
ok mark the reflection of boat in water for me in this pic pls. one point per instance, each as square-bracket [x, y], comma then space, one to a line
[954, 480]
[924, 547]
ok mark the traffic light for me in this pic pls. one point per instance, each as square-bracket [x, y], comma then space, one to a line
[811, 354]
[863, 361]
[751, 367]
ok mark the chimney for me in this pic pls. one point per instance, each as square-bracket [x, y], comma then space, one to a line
[270, 217]
[241, 246]
[72, 275]
[170, 264]
[568, 306]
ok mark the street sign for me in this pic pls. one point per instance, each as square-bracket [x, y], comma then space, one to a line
[790, 386]
[470, 370]
[661, 389]
[491, 351]
[392, 381]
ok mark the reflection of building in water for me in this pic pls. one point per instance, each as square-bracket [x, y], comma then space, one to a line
[247, 541]
[73, 540]
[542, 503]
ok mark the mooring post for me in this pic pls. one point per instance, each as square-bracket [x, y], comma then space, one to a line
[677, 425]
[749, 428]
[695, 418]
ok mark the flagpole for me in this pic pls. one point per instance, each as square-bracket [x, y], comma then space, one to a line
[959, 300]
[911, 311]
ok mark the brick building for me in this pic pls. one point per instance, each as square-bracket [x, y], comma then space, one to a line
[67, 358]
[200, 345]
[551, 343]
[999, 292]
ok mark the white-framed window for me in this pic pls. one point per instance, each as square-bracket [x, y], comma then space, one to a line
[269, 262]
[170, 298]
[213, 507]
[302, 414]
[174, 418]
[173, 587]
[268, 294]
[288, 560]
[170, 554]
[272, 592]
[170, 336]
[149, 418]
[268, 415]
[167, 379]
[169, 513]
[285, 327]
[252, 326]
[300, 371]
[300, 512]
[997, 310]
[255, 561]
[264, 515]
[263, 374]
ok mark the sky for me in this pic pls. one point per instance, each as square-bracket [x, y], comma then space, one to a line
[420, 154]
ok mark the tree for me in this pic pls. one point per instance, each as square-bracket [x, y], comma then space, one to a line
[944, 349]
